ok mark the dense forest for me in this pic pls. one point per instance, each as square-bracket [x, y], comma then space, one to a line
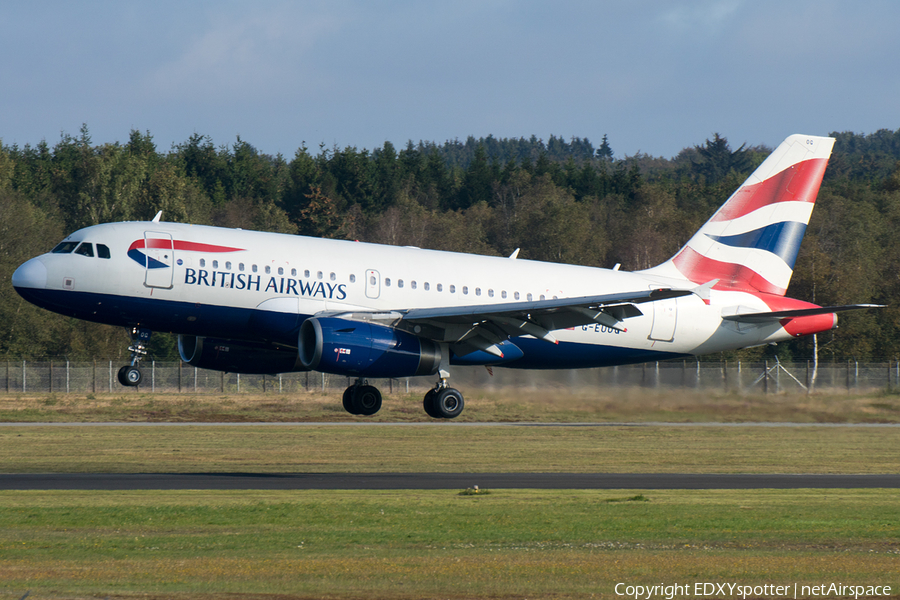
[558, 200]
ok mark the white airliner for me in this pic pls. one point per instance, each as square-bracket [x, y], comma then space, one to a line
[253, 302]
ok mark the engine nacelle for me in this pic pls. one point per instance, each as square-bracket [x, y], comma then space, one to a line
[363, 349]
[237, 357]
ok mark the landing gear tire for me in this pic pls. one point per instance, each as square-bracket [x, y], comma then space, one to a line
[366, 400]
[130, 376]
[348, 400]
[428, 403]
[362, 400]
[445, 403]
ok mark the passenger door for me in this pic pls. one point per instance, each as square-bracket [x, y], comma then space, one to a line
[160, 262]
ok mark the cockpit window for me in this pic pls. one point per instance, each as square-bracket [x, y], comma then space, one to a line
[85, 249]
[64, 247]
[102, 251]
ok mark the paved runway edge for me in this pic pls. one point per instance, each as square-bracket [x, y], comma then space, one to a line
[437, 481]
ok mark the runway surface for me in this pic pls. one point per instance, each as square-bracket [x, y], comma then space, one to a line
[438, 481]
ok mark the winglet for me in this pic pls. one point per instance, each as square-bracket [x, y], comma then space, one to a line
[157, 217]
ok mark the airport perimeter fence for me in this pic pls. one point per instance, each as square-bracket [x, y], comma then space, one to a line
[69, 377]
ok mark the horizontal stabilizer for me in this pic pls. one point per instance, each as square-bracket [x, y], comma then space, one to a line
[766, 317]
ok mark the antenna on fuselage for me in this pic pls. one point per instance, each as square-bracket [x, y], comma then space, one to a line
[156, 218]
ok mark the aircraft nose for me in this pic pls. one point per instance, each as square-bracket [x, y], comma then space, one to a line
[31, 274]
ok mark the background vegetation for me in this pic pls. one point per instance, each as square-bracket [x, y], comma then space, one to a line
[558, 200]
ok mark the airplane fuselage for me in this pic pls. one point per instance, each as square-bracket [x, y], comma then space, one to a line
[246, 285]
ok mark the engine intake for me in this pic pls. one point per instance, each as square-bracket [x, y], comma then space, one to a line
[365, 349]
[237, 357]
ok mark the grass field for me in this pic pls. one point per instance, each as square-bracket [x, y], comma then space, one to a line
[506, 544]
[545, 405]
[449, 448]
[440, 544]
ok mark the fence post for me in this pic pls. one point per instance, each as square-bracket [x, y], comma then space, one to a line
[152, 375]
[697, 381]
[725, 374]
[23, 376]
[766, 377]
[94, 377]
[238, 382]
[51, 376]
[179, 376]
[109, 381]
[848, 377]
[67, 376]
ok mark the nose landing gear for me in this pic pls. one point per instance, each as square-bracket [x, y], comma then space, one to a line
[130, 375]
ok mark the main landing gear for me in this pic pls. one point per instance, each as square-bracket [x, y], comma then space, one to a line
[362, 399]
[130, 375]
[441, 402]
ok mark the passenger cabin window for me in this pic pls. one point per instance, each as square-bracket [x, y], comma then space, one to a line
[440, 287]
[215, 264]
[352, 278]
[64, 247]
[268, 269]
[202, 262]
[103, 251]
[293, 272]
[85, 249]
[280, 271]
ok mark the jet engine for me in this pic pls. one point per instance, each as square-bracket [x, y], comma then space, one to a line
[364, 349]
[237, 356]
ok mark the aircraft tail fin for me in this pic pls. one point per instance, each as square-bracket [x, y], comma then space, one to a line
[752, 241]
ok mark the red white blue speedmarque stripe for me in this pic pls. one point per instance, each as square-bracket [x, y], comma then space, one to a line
[134, 250]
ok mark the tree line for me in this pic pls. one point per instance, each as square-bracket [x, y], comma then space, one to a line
[558, 200]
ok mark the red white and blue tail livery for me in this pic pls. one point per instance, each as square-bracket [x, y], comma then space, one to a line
[252, 302]
[752, 241]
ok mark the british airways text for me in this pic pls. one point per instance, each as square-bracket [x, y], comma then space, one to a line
[256, 283]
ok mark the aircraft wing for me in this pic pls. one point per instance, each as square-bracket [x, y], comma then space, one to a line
[485, 326]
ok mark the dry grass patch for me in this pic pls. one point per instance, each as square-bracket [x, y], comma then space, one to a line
[534, 405]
